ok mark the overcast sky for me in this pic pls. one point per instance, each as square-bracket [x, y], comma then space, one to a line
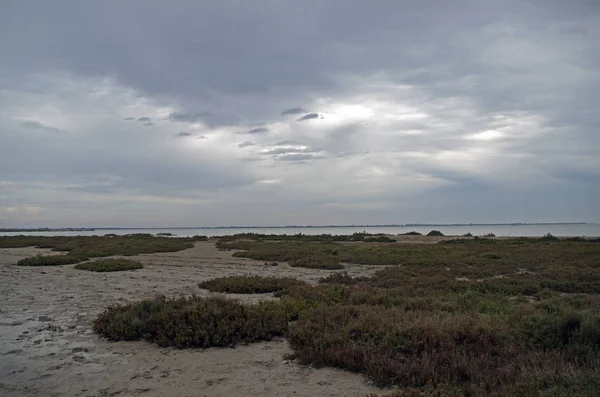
[190, 113]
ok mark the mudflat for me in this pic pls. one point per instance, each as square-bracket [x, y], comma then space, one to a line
[47, 347]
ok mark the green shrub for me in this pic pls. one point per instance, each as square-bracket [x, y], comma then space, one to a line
[109, 265]
[548, 237]
[411, 233]
[193, 322]
[379, 239]
[435, 233]
[249, 284]
[49, 260]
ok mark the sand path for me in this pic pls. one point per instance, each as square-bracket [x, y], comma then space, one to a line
[47, 347]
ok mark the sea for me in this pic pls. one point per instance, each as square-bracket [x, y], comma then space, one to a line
[528, 230]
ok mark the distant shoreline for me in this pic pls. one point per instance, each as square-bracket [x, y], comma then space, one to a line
[74, 229]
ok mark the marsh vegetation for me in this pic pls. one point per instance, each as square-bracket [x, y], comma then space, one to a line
[470, 316]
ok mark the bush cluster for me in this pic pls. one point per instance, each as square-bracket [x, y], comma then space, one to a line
[193, 322]
[479, 317]
[85, 247]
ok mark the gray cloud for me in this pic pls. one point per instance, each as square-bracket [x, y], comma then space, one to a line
[144, 119]
[286, 150]
[298, 157]
[259, 130]
[245, 144]
[437, 112]
[35, 125]
[189, 117]
[129, 118]
[149, 124]
[309, 117]
[293, 111]
[182, 134]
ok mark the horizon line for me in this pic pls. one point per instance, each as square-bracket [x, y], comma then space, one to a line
[300, 226]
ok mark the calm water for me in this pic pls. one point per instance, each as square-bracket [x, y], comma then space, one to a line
[589, 229]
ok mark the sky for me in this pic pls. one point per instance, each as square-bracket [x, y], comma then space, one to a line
[148, 113]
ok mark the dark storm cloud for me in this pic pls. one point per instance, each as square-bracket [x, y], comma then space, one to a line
[182, 134]
[189, 117]
[259, 130]
[144, 119]
[309, 117]
[293, 111]
[35, 125]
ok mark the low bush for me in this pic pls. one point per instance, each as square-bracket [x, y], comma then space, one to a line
[193, 322]
[313, 262]
[379, 239]
[548, 237]
[419, 348]
[411, 233]
[109, 265]
[49, 260]
[99, 246]
[339, 278]
[249, 284]
[435, 233]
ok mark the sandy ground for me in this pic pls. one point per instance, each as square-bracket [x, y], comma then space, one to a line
[47, 347]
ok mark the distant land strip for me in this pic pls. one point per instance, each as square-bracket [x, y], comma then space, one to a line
[75, 229]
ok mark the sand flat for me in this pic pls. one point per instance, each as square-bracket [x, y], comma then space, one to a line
[47, 347]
